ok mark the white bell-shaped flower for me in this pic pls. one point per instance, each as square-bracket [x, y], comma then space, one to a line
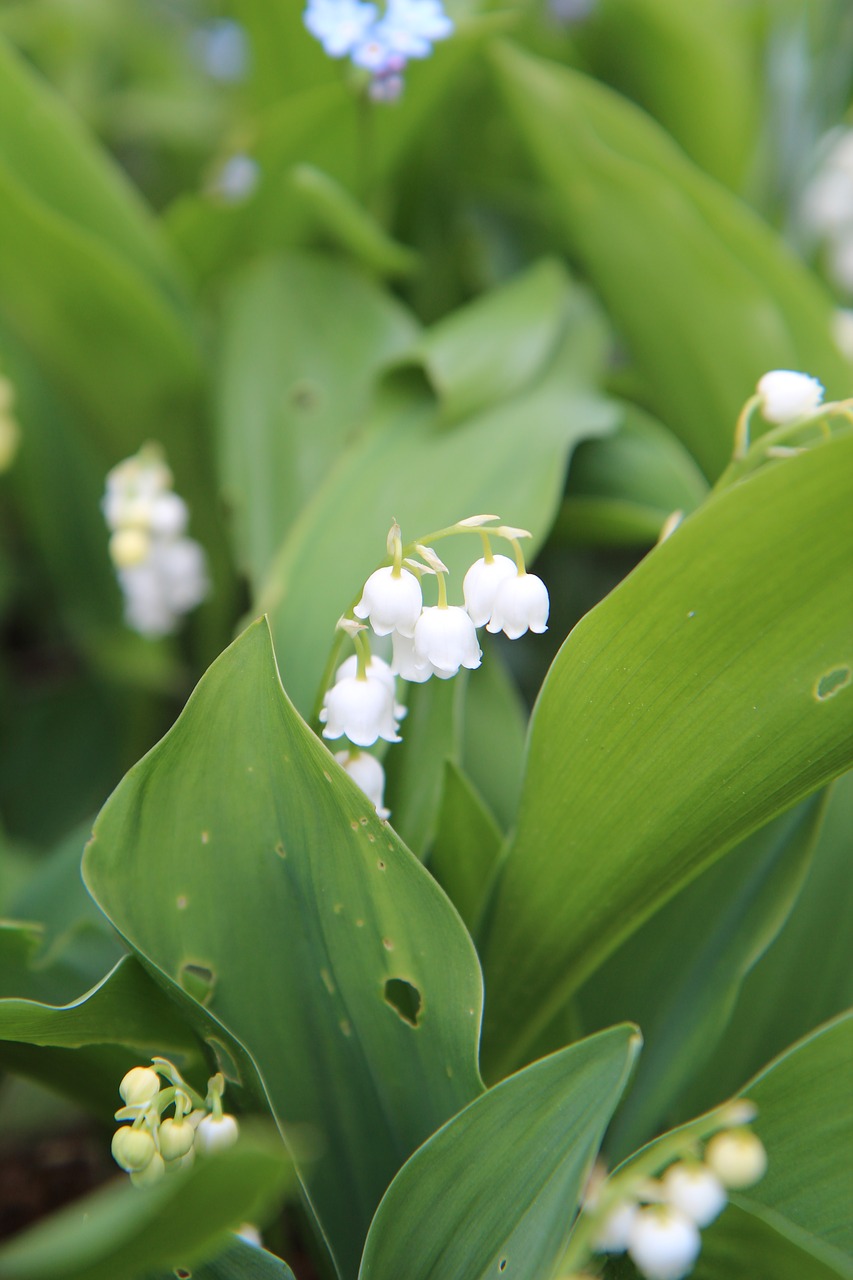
[521, 603]
[663, 1242]
[392, 601]
[361, 710]
[737, 1157]
[377, 669]
[695, 1190]
[786, 395]
[406, 663]
[481, 583]
[215, 1133]
[367, 773]
[139, 1085]
[447, 639]
[613, 1233]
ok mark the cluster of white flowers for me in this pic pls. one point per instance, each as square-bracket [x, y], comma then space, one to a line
[10, 432]
[435, 640]
[151, 1145]
[827, 206]
[380, 45]
[162, 573]
[658, 1223]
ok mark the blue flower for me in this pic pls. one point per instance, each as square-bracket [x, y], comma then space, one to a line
[411, 26]
[339, 25]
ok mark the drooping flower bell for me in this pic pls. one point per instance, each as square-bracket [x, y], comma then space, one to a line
[392, 600]
[446, 638]
[361, 708]
[368, 774]
[521, 603]
[480, 586]
[663, 1242]
[695, 1190]
[738, 1158]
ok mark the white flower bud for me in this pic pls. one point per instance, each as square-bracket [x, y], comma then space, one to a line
[169, 515]
[663, 1243]
[481, 583]
[151, 1174]
[133, 1149]
[786, 395]
[361, 710]
[129, 547]
[367, 773]
[391, 602]
[377, 669]
[141, 1084]
[405, 661]
[447, 639]
[613, 1233]
[520, 603]
[215, 1133]
[737, 1157]
[176, 1138]
[695, 1190]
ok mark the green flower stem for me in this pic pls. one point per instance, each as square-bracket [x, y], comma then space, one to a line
[803, 434]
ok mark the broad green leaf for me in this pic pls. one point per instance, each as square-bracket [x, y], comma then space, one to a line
[350, 226]
[466, 845]
[805, 977]
[493, 735]
[805, 1120]
[410, 464]
[674, 722]
[64, 170]
[679, 975]
[304, 338]
[690, 65]
[120, 1231]
[744, 1244]
[239, 853]
[729, 299]
[516, 1160]
[240, 1261]
[622, 489]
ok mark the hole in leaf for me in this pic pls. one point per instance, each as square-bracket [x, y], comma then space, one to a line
[404, 999]
[831, 683]
[198, 981]
[305, 396]
[502, 1265]
[183, 1274]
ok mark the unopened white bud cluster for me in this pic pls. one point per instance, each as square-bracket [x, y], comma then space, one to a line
[435, 640]
[784, 396]
[10, 432]
[162, 572]
[152, 1143]
[659, 1222]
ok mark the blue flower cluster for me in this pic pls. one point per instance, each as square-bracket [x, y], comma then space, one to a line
[381, 45]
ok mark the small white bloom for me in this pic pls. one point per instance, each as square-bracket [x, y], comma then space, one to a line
[367, 773]
[481, 583]
[139, 1085]
[377, 669]
[663, 1243]
[215, 1133]
[737, 1157]
[361, 710]
[695, 1190]
[151, 1174]
[391, 602]
[129, 547]
[133, 1149]
[176, 1138]
[613, 1233]
[406, 663]
[520, 603]
[447, 639]
[169, 515]
[786, 395]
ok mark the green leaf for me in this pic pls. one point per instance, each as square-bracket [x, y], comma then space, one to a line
[673, 722]
[415, 771]
[516, 1159]
[239, 853]
[622, 489]
[730, 300]
[494, 730]
[805, 1120]
[679, 975]
[122, 1231]
[805, 977]
[240, 1261]
[747, 1245]
[508, 459]
[351, 227]
[304, 338]
[466, 846]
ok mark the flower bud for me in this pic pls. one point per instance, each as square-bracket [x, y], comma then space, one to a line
[215, 1133]
[133, 1149]
[612, 1236]
[391, 601]
[176, 1138]
[786, 395]
[737, 1157]
[367, 773]
[140, 1085]
[695, 1190]
[129, 547]
[151, 1174]
[663, 1243]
